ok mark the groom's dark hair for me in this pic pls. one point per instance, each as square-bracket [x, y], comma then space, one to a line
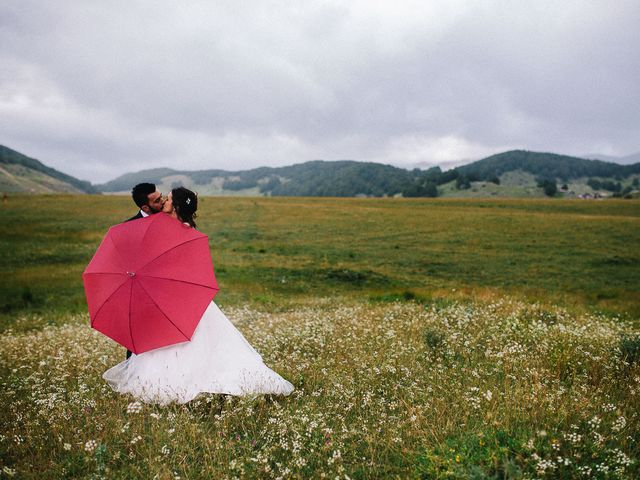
[140, 193]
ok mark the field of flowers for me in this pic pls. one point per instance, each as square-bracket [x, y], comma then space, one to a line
[402, 389]
[426, 338]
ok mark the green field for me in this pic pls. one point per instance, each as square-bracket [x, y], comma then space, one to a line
[282, 250]
[442, 338]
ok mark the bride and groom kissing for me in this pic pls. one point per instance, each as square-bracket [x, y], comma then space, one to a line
[217, 359]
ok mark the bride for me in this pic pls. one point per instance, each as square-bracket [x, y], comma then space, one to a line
[218, 359]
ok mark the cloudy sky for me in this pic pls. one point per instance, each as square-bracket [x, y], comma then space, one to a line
[100, 88]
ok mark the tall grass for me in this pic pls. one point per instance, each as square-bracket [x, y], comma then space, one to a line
[425, 339]
[278, 250]
[388, 390]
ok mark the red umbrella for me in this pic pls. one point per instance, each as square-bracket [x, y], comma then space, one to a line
[150, 282]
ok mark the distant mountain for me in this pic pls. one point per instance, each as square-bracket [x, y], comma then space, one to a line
[514, 173]
[626, 160]
[19, 173]
[344, 178]
[547, 165]
[517, 173]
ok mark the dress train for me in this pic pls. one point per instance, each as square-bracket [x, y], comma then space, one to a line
[218, 359]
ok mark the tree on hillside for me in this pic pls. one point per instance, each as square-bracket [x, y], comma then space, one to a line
[270, 185]
[605, 185]
[238, 184]
[448, 176]
[550, 189]
[548, 185]
[428, 189]
[594, 183]
[463, 183]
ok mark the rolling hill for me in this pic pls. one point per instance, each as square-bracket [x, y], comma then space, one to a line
[22, 174]
[625, 160]
[315, 179]
[517, 173]
[548, 165]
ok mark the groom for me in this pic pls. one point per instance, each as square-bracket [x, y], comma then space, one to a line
[149, 200]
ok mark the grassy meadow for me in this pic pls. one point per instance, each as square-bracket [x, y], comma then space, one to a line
[426, 338]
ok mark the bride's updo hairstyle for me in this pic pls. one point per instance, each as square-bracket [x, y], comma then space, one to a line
[185, 202]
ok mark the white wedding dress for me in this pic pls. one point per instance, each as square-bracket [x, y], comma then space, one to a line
[218, 359]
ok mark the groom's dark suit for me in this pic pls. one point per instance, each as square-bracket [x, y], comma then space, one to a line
[135, 217]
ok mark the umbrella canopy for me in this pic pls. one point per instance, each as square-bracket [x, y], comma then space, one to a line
[149, 282]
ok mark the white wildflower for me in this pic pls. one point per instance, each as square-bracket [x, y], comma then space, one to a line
[9, 471]
[134, 407]
[90, 446]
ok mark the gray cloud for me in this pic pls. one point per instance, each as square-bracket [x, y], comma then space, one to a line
[100, 88]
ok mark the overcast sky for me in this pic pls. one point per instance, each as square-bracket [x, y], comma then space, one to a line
[101, 88]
